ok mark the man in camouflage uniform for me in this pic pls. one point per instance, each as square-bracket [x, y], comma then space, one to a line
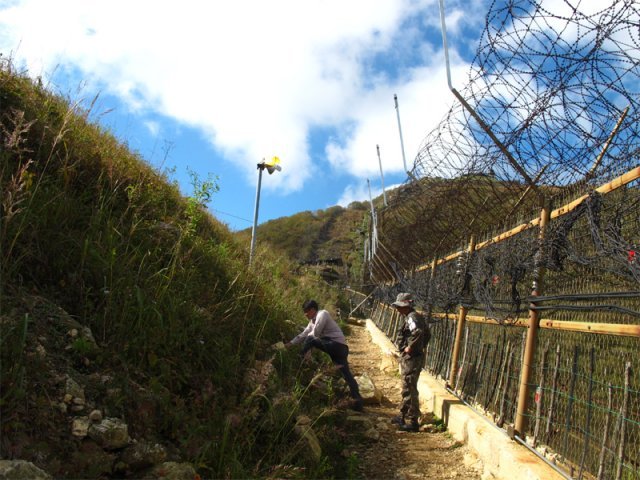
[411, 341]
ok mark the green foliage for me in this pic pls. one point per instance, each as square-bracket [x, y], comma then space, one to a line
[333, 235]
[82, 346]
[352, 466]
[196, 204]
[440, 425]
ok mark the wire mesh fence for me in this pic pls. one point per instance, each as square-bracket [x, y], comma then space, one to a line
[583, 411]
[518, 234]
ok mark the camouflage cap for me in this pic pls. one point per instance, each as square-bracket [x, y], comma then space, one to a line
[403, 300]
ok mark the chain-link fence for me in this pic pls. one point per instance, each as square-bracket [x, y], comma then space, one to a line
[518, 234]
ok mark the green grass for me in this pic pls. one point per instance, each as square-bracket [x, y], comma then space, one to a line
[87, 227]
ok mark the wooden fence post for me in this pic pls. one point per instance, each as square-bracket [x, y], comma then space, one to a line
[462, 315]
[532, 332]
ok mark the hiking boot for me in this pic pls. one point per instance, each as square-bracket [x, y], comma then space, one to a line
[357, 406]
[409, 427]
[398, 420]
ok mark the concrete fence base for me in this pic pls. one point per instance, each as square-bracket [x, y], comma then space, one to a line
[502, 457]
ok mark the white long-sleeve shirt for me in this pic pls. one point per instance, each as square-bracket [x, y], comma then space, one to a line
[321, 326]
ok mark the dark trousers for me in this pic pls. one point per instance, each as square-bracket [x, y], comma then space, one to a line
[410, 368]
[338, 353]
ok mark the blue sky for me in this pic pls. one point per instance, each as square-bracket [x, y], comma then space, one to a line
[215, 87]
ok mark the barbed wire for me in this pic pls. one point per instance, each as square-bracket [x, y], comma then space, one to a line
[552, 86]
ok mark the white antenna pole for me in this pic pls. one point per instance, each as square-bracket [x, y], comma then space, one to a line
[384, 193]
[404, 159]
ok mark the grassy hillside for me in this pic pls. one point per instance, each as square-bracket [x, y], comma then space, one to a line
[112, 282]
[334, 235]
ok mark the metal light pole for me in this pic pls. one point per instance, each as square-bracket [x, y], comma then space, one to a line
[271, 167]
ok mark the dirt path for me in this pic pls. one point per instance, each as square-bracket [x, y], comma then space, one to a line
[401, 455]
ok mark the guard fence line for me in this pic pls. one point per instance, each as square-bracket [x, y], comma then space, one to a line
[554, 368]
[535, 314]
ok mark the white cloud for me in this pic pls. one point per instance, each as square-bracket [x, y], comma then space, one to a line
[357, 193]
[254, 76]
[360, 192]
[152, 127]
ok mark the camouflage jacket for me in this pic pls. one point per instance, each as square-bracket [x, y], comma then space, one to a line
[414, 334]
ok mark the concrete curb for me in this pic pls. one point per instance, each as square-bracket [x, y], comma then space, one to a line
[502, 457]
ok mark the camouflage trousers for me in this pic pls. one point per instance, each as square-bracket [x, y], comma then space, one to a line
[410, 368]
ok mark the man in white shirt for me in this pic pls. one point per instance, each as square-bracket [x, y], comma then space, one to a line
[325, 334]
